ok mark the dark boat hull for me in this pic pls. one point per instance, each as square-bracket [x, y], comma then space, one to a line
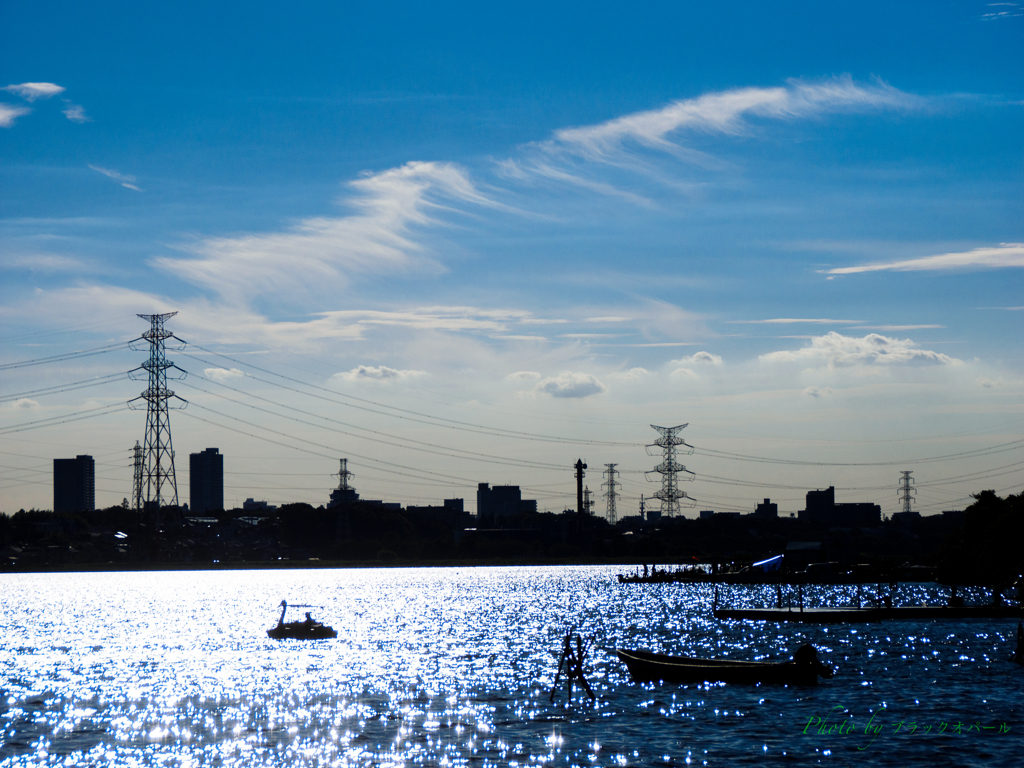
[300, 630]
[646, 667]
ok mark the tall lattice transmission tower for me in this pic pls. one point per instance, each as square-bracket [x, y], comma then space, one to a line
[137, 465]
[159, 486]
[610, 495]
[906, 493]
[669, 442]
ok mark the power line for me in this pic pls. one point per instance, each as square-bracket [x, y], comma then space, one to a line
[64, 356]
[404, 442]
[1000, 448]
[333, 449]
[55, 420]
[422, 418]
[59, 388]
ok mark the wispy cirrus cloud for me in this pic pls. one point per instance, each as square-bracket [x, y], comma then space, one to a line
[568, 156]
[46, 262]
[728, 112]
[1005, 11]
[790, 320]
[33, 91]
[75, 112]
[837, 351]
[891, 328]
[123, 179]
[471, 319]
[1000, 256]
[321, 253]
[8, 114]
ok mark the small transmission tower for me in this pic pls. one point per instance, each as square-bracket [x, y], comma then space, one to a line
[669, 468]
[906, 493]
[610, 495]
[137, 478]
[159, 486]
[344, 494]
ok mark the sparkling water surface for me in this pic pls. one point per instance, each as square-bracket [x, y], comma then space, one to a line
[454, 666]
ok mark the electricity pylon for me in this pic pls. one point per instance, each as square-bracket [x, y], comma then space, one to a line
[669, 468]
[906, 493]
[157, 451]
[137, 478]
[610, 495]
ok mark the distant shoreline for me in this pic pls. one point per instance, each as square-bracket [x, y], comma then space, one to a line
[311, 565]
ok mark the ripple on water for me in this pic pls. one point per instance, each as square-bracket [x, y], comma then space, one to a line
[455, 667]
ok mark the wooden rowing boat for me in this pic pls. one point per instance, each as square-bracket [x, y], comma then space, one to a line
[645, 667]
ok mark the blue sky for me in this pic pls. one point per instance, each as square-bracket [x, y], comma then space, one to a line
[795, 227]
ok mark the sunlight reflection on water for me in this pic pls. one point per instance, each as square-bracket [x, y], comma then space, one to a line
[455, 666]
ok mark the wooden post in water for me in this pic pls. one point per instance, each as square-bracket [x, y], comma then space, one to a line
[572, 661]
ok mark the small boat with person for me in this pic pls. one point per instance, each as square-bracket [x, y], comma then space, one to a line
[646, 667]
[310, 629]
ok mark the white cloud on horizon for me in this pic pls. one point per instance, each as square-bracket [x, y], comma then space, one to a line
[524, 376]
[817, 392]
[571, 384]
[633, 374]
[698, 358]
[122, 179]
[838, 351]
[8, 114]
[223, 374]
[32, 91]
[379, 373]
[685, 373]
[1001, 256]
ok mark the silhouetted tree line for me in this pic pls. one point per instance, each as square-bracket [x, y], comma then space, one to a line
[987, 550]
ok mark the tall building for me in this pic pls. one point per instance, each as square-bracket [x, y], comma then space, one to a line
[206, 481]
[74, 484]
[494, 503]
[821, 508]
